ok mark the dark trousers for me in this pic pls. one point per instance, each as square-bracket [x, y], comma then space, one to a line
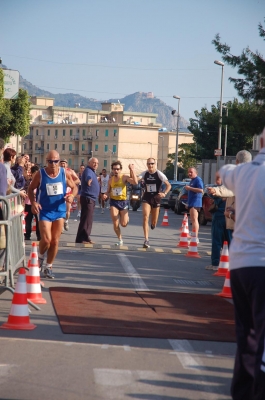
[28, 221]
[248, 292]
[86, 219]
[219, 235]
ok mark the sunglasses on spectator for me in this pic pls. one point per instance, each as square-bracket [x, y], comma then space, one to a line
[116, 169]
[150, 163]
[53, 161]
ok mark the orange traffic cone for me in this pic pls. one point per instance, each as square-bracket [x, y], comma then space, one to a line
[34, 224]
[18, 318]
[193, 250]
[33, 278]
[226, 292]
[24, 214]
[183, 240]
[165, 219]
[224, 262]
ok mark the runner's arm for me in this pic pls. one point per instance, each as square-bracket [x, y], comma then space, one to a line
[132, 178]
[35, 183]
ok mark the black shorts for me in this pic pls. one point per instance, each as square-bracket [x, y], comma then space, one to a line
[153, 201]
[196, 208]
[121, 205]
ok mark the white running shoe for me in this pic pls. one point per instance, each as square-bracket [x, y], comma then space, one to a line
[119, 243]
[78, 214]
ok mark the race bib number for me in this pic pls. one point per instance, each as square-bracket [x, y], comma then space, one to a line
[116, 191]
[151, 188]
[54, 188]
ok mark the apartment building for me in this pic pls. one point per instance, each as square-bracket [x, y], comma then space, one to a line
[108, 134]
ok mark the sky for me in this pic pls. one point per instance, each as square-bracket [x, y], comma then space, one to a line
[106, 49]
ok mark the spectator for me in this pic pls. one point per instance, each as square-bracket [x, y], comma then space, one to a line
[218, 230]
[9, 159]
[18, 172]
[28, 210]
[195, 191]
[3, 171]
[242, 156]
[247, 266]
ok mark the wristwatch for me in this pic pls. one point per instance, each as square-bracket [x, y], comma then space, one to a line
[231, 213]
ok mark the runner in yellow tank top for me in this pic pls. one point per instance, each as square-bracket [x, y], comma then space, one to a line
[118, 197]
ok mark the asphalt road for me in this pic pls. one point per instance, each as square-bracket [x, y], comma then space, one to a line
[47, 364]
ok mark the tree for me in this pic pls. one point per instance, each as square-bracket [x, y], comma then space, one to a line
[250, 64]
[187, 156]
[169, 171]
[240, 130]
[14, 114]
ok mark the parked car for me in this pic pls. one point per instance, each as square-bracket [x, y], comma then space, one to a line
[204, 215]
[169, 201]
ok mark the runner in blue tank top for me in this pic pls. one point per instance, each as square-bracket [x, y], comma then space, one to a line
[51, 183]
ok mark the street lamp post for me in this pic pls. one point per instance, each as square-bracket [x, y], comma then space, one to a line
[177, 143]
[221, 111]
[162, 158]
[225, 146]
[151, 148]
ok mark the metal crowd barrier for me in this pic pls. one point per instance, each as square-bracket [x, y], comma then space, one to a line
[12, 238]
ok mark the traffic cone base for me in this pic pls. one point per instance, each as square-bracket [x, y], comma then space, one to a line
[18, 318]
[165, 219]
[183, 240]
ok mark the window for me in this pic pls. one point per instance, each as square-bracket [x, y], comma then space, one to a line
[36, 160]
[106, 132]
[97, 132]
[37, 132]
[84, 132]
[48, 146]
[71, 132]
[114, 148]
[69, 162]
[115, 132]
[70, 147]
[96, 147]
[56, 133]
[25, 146]
[105, 163]
[83, 147]
[63, 146]
[55, 146]
[63, 132]
[82, 161]
[36, 146]
[106, 147]
[49, 132]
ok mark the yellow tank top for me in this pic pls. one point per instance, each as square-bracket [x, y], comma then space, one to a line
[118, 189]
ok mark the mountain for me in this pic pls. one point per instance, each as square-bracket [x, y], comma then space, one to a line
[137, 102]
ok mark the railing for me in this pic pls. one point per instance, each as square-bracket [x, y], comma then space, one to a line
[75, 138]
[45, 117]
[86, 153]
[39, 151]
[74, 152]
[88, 138]
[28, 137]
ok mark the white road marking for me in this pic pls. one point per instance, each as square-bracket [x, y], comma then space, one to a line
[126, 348]
[135, 278]
[105, 346]
[183, 350]
[121, 377]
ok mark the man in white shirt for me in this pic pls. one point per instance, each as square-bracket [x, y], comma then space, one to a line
[247, 265]
[103, 181]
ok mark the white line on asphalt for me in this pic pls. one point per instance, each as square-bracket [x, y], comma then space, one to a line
[126, 348]
[135, 278]
[182, 349]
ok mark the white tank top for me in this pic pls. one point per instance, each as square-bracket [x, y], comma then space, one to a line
[104, 183]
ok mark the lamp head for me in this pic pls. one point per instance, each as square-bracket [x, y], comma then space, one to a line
[219, 63]
[176, 97]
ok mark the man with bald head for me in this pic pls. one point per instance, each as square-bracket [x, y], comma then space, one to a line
[50, 204]
[88, 196]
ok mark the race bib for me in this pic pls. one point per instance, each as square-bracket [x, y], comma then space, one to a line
[151, 188]
[54, 188]
[116, 191]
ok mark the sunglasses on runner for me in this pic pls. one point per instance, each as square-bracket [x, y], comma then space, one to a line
[53, 161]
[116, 169]
[150, 163]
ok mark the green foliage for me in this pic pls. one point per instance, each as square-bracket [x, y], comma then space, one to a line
[169, 171]
[250, 64]
[240, 128]
[187, 156]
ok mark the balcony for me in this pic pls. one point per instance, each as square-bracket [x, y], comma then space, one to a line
[87, 153]
[39, 150]
[74, 152]
[75, 138]
[88, 138]
[28, 137]
[28, 151]
[42, 138]
[45, 117]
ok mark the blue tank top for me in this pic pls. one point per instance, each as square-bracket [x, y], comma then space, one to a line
[51, 192]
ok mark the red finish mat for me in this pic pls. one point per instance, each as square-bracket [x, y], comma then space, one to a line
[167, 315]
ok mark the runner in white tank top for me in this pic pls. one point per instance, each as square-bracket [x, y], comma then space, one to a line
[104, 180]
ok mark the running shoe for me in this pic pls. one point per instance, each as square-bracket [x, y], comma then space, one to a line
[119, 243]
[48, 273]
[66, 225]
[78, 214]
[102, 211]
[209, 267]
[152, 226]
[146, 244]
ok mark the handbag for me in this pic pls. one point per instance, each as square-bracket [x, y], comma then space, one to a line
[213, 208]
